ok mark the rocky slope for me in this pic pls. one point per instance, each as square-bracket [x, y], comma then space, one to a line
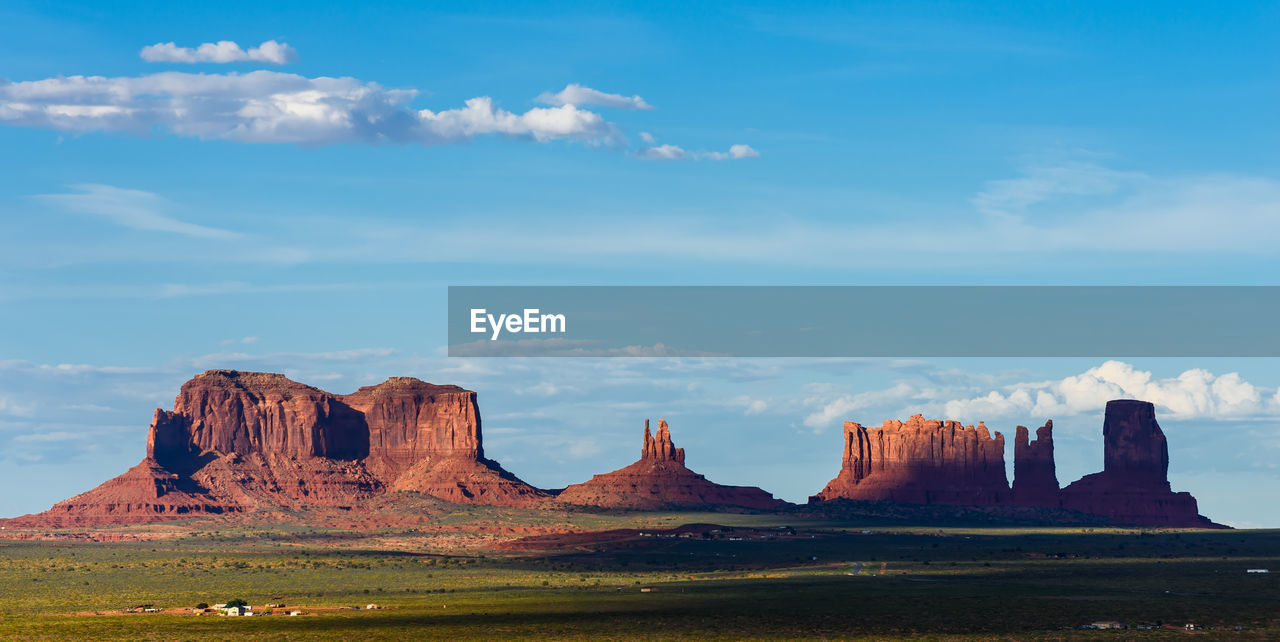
[660, 479]
[921, 461]
[242, 441]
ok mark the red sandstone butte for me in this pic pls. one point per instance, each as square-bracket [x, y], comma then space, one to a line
[1133, 487]
[1035, 479]
[660, 479]
[240, 441]
[920, 461]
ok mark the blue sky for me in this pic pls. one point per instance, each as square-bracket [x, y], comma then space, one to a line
[301, 207]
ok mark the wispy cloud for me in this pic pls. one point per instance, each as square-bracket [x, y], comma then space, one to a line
[669, 152]
[833, 411]
[736, 152]
[9, 406]
[273, 107]
[293, 359]
[886, 34]
[178, 290]
[663, 152]
[221, 52]
[575, 94]
[130, 208]
[1012, 197]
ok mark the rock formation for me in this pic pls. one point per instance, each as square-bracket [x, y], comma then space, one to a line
[921, 462]
[660, 479]
[1133, 487]
[239, 441]
[937, 462]
[1035, 479]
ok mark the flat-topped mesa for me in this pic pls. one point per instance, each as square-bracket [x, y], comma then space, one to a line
[661, 479]
[426, 438]
[227, 411]
[237, 441]
[1035, 479]
[1133, 487]
[921, 461]
[661, 448]
[409, 419]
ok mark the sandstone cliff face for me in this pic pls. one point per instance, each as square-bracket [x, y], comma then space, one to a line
[1035, 479]
[921, 462]
[936, 462]
[1133, 487]
[409, 420]
[240, 441]
[256, 412]
[660, 479]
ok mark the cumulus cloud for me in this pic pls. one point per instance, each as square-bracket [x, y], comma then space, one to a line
[274, 107]
[1196, 393]
[221, 52]
[130, 208]
[647, 138]
[675, 153]
[575, 94]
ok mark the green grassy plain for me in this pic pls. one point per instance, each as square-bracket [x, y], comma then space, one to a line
[749, 578]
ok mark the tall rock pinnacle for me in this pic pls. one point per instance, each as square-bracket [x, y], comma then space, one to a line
[660, 479]
[1035, 479]
[1133, 487]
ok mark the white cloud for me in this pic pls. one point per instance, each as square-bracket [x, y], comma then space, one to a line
[10, 407]
[243, 340]
[18, 365]
[648, 138]
[223, 51]
[838, 409]
[275, 107]
[1062, 206]
[130, 208]
[56, 436]
[1195, 393]
[736, 152]
[749, 405]
[672, 152]
[575, 94]
[541, 389]
[663, 152]
[1013, 196]
[240, 359]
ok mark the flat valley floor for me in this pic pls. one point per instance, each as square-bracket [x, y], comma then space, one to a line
[487, 573]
